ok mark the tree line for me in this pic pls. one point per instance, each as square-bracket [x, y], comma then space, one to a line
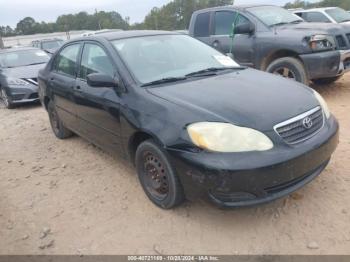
[175, 15]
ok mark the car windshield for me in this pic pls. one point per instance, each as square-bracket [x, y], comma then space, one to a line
[153, 58]
[339, 15]
[274, 15]
[52, 44]
[23, 58]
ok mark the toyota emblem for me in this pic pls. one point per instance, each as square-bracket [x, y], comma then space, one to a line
[307, 122]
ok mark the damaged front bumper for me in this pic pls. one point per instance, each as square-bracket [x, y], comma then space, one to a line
[252, 178]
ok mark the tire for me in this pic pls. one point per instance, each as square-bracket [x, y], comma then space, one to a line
[326, 81]
[6, 99]
[157, 176]
[57, 126]
[289, 67]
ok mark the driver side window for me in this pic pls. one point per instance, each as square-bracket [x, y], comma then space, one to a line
[224, 21]
[95, 60]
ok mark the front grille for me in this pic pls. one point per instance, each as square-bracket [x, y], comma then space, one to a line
[34, 96]
[302, 127]
[33, 81]
[341, 41]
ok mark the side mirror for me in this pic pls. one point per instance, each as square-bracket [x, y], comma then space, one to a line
[245, 29]
[101, 80]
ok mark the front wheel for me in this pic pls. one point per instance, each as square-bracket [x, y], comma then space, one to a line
[5, 99]
[157, 176]
[326, 81]
[289, 67]
[57, 126]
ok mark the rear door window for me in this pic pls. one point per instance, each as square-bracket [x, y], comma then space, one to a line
[201, 26]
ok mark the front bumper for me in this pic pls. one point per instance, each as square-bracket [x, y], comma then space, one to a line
[344, 62]
[327, 64]
[26, 94]
[322, 64]
[252, 178]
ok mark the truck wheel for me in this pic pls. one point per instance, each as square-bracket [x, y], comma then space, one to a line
[5, 99]
[289, 67]
[326, 81]
[57, 126]
[157, 176]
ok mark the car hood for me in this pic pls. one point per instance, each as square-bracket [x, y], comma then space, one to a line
[314, 28]
[23, 71]
[247, 98]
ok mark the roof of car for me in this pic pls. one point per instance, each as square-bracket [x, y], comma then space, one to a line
[313, 9]
[127, 34]
[237, 7]
[10, 50]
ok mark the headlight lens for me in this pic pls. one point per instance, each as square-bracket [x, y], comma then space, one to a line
[323, 104]
[16, 82]
[227, 138]
[321, 42]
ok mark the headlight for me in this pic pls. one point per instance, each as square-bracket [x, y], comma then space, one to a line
[227, 138]
[321, 42]
[323, 104]
[16, 82]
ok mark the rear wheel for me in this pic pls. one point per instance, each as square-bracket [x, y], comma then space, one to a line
[326, 81]
[157, 176]
[57, 126]
[289, 67]
[6, 100]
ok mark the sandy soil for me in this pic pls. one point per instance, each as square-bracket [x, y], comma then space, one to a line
[68, 197]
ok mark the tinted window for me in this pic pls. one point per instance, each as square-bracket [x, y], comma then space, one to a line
[51, 44]
[95, 60]
[316, 17]
[201, 27]
[66, 60]
[224, 21]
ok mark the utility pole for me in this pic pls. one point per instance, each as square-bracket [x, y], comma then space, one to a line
[2, 46]
[98, 20]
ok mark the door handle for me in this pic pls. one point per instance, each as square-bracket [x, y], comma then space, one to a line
[78, 87]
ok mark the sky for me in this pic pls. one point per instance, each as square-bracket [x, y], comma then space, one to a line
[12, 11]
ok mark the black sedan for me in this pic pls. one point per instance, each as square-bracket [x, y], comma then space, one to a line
[19, 68]
[194, 122]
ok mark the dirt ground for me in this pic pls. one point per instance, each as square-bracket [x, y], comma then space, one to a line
[69, 197]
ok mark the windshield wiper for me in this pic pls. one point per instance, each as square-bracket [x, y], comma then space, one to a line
[346, 20]
[212, 71]
[282, 23]
[39, 63]
[164, 80]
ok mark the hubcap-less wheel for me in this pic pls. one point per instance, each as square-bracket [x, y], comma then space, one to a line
[4, 97]
[285, 72]
[155, 176]
[54, 121]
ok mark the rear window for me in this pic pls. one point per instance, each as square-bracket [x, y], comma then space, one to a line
[201, 26]
[316, 17]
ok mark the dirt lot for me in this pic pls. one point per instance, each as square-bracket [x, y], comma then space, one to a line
[68, 197]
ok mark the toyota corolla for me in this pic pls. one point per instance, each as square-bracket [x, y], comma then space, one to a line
[193, 121]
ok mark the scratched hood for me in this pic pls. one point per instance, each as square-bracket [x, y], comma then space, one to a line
[247, 98]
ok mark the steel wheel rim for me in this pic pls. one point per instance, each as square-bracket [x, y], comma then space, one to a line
[285, 72]
[4, 97]
[155, 176]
